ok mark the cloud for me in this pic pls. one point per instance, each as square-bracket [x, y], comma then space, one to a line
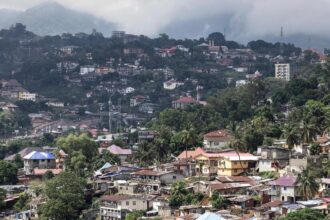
[246, 18]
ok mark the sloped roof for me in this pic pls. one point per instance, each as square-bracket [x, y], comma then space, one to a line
[191, 153]
[284, 181]
[114, 149]
[186, 99]
[23, 152]
[40, 172]
[147, 173]
[116, 198]
[210, 216]
[37, 155]
[223, 134]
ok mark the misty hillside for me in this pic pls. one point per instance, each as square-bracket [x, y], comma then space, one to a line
[51, 18]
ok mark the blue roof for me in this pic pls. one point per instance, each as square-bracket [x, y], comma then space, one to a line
[37, 155]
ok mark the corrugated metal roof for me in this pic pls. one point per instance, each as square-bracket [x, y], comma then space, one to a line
[37, 155]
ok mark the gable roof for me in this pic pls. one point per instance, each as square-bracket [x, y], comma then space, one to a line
[37, 155]
[221, 134]
[186, 99]
[209, 216]
[23, 152]
[116, 198]
[191, 153]
[147, 173]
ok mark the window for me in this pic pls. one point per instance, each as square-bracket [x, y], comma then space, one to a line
[127, 203]
[134, 202]
[235, 163]
[174, 177]
[284, 188]
[235, 170]
[42, 160]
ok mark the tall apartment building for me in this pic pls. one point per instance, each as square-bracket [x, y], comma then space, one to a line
[282, 71]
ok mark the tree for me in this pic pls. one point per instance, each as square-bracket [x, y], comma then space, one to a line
[314, 149]
[306, 214]
[23, 202]
[103, 158]
[65, 194]
[3, 194]
[218, 202]
[291, 134]
[307, 184]
[145, 155]
[48, 175]
[178, 194]
[77, 163]
[135, 215]
[82, 143]
[18, 161]
[8, 173]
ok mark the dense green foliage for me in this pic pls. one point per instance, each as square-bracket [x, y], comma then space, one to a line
[65, 194]
[306, 214]
[8, 173]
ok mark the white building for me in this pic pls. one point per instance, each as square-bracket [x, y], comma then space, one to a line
[282, 71]
[171, 84]
[241, 82]
[86, 69]
[27, 96]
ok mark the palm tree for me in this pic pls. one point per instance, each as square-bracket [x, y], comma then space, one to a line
[188, 139]
[144, 154]
[291, 134]
[308, 131]
[307, 185]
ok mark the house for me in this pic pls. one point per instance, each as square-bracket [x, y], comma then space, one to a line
[129, 90]
[116, 207]
[269, 210]
[183, 102]
[297, 165]
[23, 153]
[185, 167]
[206, 163]
[87, 69]
[216, 139]
[146, 135]
[272, 158]
[155, 176]
[39, 160]
[116, 150]
[227, 188]
[284, 188]
[25, 95]
[243, 202]
[233, 163]
[137, 100]
[171, 84]
[324, 142]
[324, 186]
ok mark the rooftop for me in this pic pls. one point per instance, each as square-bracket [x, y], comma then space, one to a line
[37, 155]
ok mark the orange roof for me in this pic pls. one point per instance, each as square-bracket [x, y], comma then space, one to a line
[186, 99]
[146, 173]
[191, 153]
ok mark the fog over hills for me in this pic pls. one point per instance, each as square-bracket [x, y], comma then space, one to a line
[52, 18]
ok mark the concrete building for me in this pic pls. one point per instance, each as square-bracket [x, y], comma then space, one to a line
[272, 158]
[39, 160]
[116, 207]
[285, 189]
[216, 139]
[282, 71]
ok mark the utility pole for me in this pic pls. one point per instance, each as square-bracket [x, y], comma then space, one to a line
[110, 104]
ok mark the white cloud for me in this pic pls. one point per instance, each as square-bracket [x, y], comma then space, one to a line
[251, 18]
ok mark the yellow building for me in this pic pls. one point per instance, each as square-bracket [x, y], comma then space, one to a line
[233, 163]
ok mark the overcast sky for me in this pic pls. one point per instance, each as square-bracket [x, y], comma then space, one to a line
[247, 17]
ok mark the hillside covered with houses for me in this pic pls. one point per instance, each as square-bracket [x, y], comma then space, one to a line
[131, 127]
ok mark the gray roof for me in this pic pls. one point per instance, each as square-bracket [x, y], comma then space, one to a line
[23, 152]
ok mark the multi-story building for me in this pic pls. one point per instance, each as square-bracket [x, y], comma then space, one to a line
[233, 163]
[25, 95]
[282, 71]
[39, 160]
[285, 189]
[216, 139]
[272, 158]
[116, 207]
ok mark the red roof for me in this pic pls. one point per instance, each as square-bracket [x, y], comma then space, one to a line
[146, 173]
[233, 179]
[191, 153]
[186, 99]
[218, 134]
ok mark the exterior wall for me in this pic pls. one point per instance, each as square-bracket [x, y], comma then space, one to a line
[27, 96]
[29, 165]
[170, 178]
[214, 143]
[282, 71]
[210, 165]
[265, 165]
[232, 168]
[126, 189]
